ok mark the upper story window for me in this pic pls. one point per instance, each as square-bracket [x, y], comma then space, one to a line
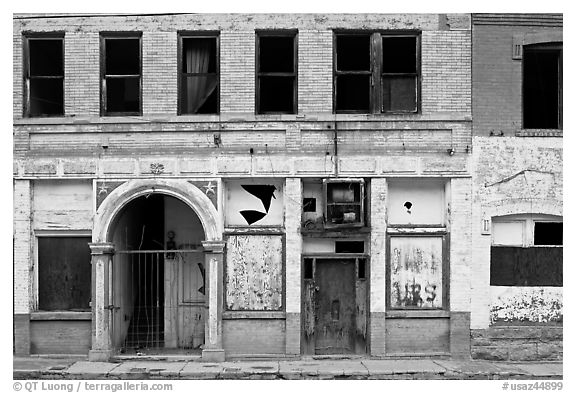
[542, 82]
[121, 68]
[44, 75]
[198, 89]
[376, 72]
[276, 70]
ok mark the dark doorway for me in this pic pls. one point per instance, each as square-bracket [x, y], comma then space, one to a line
[335, 326]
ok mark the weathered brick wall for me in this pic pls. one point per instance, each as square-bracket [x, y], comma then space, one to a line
[254, 336]
[511, 175]
[82, 74]
[518, 343]
[497, 78]
[159, 73]
[237, 72]
[446, 82]
[315, 71]
[22, 246]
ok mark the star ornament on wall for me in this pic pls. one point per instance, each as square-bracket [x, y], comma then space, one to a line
[209, 188]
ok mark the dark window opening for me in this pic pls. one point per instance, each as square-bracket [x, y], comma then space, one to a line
[64, 273]
[548, 233]
[542, 99]
[309, 205]
[533, 266]
[376, 73]
[361, 269]
[344, 203]
[276, 74]
[355, 247]
[308, 268]
[122, 75]
[44, 76]
[199, 75]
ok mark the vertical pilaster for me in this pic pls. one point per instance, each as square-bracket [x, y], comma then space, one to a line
[293, 209]
[377, 331]
[101, 340]
[23, 263]
[214, 266]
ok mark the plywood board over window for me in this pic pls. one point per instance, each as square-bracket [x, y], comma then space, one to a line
[416, 272]
[254, 203]
[254, 273]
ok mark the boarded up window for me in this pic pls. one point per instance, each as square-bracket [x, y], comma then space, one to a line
[416, 272]
[532, 266]
[416, 202]
[254, 273]
[64, 273]
[254, 204]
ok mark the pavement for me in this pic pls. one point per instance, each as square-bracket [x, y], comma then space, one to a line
[35, 367]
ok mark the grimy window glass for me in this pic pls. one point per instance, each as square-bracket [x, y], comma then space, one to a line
[376, 72]
[199, 75]
[542, 75]
[121, 75]
[276, 73]
[64, 273]
[44, 76]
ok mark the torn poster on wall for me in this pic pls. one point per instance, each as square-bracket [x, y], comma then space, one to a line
[254, 204]
[254, 273]
[416, 272]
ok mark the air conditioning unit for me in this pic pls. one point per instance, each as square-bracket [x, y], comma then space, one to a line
[344, 203]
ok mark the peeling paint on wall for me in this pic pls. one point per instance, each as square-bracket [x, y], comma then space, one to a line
[254, 273]
[416, 274]
[525, 304]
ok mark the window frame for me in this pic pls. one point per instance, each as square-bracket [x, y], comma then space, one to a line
[36, 278]
[376, 75]
[544, 46]
[185, 34]
[445, 238]
[118, 35]
[360, 222]
[294, 75]
[528, 224]
[26, 38]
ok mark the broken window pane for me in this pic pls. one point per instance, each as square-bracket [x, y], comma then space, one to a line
[353, 53]
[308, 268]
[353, 93]
[199, 83]
[344, 203]
[416, 272]
[123, 94]
[46, 57]
[276, 74]
[276, 54]
[354, 247]
[547, 233]
[398, 54]
[45, 77]
[46, 97]
[309, 205]
[276, 94]
[123, 56]
[542, 86]
[64, 273]
[399, 94]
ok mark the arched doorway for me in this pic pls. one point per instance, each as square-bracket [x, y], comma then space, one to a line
[158, 285]
[156, 296]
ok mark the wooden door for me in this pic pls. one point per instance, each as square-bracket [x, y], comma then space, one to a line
[335, 306]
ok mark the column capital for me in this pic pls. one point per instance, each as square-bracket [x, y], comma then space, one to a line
[214, 246]
[101, 248]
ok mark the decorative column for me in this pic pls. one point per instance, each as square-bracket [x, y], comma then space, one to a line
[214, 264]
[101, 261]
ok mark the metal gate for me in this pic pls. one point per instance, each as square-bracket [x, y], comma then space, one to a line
[151, 299]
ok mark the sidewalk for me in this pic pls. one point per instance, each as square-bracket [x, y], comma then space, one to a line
[306, 368]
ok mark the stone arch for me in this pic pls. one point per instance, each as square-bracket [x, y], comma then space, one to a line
[181, 189]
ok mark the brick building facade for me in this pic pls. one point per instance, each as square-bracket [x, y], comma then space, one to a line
[248, 185]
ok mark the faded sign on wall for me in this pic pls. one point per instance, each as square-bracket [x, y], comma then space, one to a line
[254, 272]
[254, 204]
[416, 272]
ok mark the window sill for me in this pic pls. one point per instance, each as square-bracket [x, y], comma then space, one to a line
[539, 133]
[61, 316]
[417, 314]
[253, 315]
